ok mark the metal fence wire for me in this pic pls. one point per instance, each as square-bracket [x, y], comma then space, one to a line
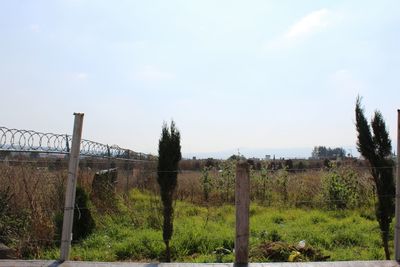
[15, 140]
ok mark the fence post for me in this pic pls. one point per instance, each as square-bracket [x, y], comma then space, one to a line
[242, 202]
[73, 165]
[397, 211]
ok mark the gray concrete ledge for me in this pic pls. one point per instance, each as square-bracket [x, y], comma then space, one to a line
[51, 263]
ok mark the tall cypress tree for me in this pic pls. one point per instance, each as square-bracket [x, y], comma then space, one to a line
[376, 149]
[169, 155]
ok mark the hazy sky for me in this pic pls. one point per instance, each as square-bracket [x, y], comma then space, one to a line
[232, 74]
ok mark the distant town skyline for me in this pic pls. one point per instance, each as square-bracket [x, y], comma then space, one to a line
[257, 76]
[261, 153]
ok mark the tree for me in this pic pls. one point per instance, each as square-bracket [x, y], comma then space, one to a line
[289, 165]
[376, 149]
[321, 152]
[169, 155]
[210, 162]
[236, 157]
[300, 166]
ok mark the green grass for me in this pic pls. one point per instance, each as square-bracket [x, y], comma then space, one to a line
[134, 232]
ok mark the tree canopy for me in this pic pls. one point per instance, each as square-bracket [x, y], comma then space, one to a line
[322, 152]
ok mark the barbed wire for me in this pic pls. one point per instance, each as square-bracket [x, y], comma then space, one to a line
[82, 161]
[16, 140]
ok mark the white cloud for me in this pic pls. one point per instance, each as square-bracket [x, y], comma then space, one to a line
[82, 76]
[309, 24]
[152, 73]
[34, 27]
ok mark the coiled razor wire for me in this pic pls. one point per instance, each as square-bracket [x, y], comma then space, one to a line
[16, 140]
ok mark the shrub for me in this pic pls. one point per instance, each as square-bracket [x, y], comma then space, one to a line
[281, 252]
[261, 186]
[341, 189]
[83, 220]
[103, 189]
[282, 185]
[206, 183]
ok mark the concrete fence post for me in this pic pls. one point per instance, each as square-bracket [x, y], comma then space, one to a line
[397, 210]
[73, 166]
[242, 202]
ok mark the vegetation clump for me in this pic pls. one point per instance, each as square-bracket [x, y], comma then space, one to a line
[341, 189]
[103, 189]
[278, 251]
[84, 223]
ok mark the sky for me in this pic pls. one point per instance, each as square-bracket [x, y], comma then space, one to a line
[259, 76]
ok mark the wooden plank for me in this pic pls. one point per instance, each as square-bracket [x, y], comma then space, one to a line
[242, 202]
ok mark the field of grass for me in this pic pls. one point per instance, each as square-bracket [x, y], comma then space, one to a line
[331, 209]
[133, 233]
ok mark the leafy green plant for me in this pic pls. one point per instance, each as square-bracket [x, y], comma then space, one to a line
[261, 185]
[340, 189]
[282, 251]
[220, 252]
[227, 173]
[206, 183]
[274, 236]
[282, 184]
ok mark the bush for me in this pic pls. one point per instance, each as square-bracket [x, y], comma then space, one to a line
[83, 220]
[341, 189]
[281, 252]
[206, 183]
[282, 182]
[261, 186]
[103, 189]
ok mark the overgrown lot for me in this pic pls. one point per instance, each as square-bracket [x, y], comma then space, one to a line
[206, 234]
[329, 209]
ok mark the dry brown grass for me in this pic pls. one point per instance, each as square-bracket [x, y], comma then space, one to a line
[37, 193]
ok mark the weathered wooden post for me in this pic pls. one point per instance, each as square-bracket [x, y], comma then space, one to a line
[73, 165]
[242, 202]
[397, 211]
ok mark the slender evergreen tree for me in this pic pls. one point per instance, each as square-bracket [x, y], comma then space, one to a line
[376, 149]
[169, 155]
